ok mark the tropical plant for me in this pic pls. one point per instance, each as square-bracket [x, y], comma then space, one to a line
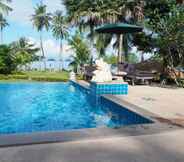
[3, 24]
[133, 58]
[60, 31]
[88, 14]
[166, 23]
[111, 59]
[4, 8]
[41, 20]
[102, 41]
[82, 52]
[145, 43]
[24, 52]
[7, 64]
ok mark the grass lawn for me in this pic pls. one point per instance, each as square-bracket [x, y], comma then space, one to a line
[36, 76]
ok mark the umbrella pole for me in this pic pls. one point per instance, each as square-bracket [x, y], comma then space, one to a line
[120, 48]
[120, 52]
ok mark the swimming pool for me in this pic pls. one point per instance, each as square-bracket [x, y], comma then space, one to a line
[45, 107]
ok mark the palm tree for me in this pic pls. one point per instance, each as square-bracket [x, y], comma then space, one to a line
[3, 24]
[4, 8]
[24, 52]
[88, 15]
[41, 20]
[60, 32]
[82, 52]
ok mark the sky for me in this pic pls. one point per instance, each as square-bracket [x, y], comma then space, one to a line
[21, 26]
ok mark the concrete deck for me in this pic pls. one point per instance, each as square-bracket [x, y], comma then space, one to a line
[161, 146]
[167, 103]
[166, 147]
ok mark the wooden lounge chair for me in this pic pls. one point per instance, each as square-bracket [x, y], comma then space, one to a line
[135, 75]
[141, 77]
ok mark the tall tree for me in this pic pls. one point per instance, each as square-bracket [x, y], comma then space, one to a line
[60, 32]
[41, 20]
[88, 14]
[4, 8]
[3, 24]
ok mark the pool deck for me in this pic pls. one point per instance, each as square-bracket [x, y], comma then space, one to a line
[165, 105]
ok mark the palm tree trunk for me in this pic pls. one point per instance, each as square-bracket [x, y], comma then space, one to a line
[1, 36]
[142, 57]
[172, 67]
[42, 50]
[60, 56]
[120, 50]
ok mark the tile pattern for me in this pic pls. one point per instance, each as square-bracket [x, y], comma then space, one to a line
[114, 89]
[125, 116]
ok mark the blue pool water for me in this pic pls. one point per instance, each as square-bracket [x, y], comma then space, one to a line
[37, 107]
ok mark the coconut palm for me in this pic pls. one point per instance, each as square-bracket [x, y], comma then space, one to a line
[60, 32]
[4, 8]
[24, 52]
[88, 15]
[41, 20]
[3, 24]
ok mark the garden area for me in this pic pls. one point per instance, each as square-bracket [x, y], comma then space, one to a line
[161, 40]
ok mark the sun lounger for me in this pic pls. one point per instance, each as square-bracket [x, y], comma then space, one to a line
[134, 75]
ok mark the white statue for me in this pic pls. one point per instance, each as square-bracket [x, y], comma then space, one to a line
[103, 72]
[72, 76]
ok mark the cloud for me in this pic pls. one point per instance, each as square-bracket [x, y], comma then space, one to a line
[53, 5]
[52, 48]
[23, 9]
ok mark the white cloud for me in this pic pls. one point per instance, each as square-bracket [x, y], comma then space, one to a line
[52, 48]
[23, 9]
[53, 5]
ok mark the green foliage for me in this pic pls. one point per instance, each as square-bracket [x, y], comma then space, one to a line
[82, 52]
[3, 24]
[15, 55]
[41, 19]
[88, 14]
[37, 76]
[155, 9]
[102, 41]
[110, 59]
[132, 58]
[7, 64]
[59, 27]
[170, 37]
[24, 52]
[4, 7]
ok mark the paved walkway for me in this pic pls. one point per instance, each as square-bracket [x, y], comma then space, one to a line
[166, 147]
